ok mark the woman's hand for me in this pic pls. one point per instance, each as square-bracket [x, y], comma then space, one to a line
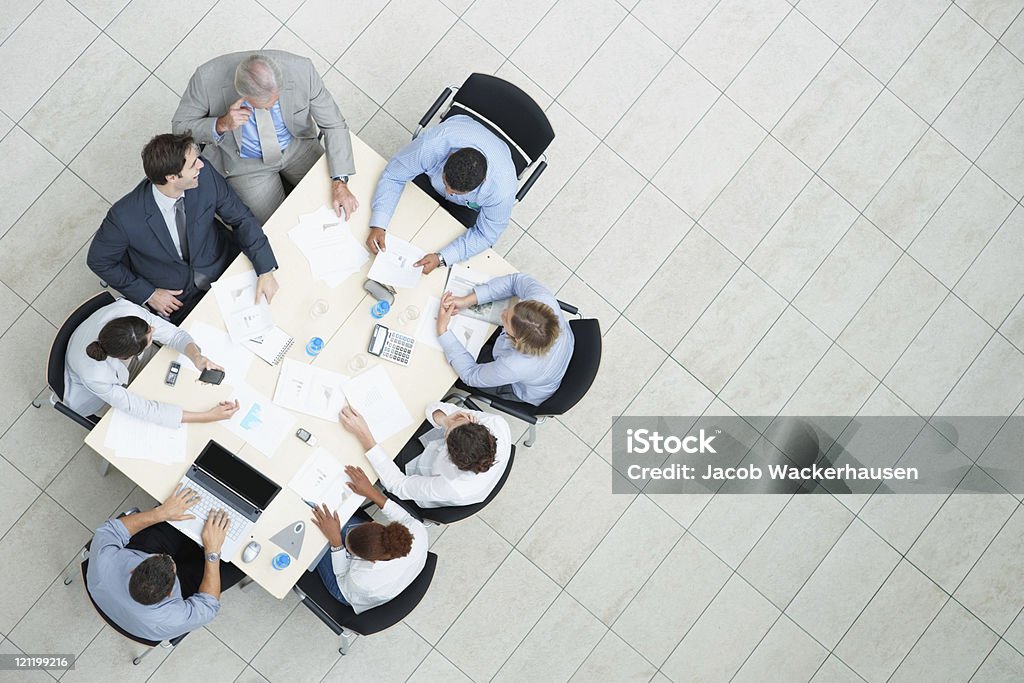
[328, 523]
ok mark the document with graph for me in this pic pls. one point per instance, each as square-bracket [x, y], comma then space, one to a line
[236, 298]
[261, 423]
[310, 390]
[373, 395]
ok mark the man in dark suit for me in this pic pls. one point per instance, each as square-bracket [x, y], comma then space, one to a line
[160, 245]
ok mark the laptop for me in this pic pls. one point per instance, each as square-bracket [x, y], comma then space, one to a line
[223, 480]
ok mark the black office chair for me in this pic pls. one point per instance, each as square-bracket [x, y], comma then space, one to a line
[579, 377]
[346, 623]
[170, 643]
[506, 111]
[455, 513]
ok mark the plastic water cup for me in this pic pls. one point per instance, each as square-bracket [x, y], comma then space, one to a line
[315, 346]
[319, 308]
[380, 309]
[409, 314]
[281, 561]
[358, 362]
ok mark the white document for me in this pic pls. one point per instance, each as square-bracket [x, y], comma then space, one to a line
[462, 280]
[218, 347]
[374, 396]
[130, 437]
[310, 390]
[394, 266]
[236, 298]
[471, 332]
[259, 421]
[328, 245]
[322, 479]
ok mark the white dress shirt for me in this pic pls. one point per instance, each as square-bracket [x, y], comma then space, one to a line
[91, 384]
[432, 480]
[367, 584]
[166, 206]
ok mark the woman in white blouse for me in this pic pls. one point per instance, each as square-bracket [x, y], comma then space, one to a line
[109, 349]
[370, 563]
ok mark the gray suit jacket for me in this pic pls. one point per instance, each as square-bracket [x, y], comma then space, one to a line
[306, 105]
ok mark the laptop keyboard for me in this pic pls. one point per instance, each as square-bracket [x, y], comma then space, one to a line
[208, 502]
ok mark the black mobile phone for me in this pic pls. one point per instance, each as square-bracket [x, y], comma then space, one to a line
[212, 376]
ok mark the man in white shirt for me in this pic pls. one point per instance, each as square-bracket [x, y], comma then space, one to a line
[462, 461]
[370, 563]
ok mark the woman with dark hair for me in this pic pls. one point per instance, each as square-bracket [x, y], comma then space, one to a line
[370, 563]
[111, 347]
[529, 357]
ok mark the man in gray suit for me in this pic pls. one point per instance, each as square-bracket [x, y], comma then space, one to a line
[259, 115]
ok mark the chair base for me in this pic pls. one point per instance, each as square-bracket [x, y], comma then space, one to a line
[346, 638]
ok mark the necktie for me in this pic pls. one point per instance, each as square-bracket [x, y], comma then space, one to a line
[179, 221]
[269, 145]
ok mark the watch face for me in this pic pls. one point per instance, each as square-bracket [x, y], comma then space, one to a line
[212, 557]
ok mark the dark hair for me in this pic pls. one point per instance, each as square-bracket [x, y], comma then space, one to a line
[165, 155]
[152, 580]
[465, 169]
[472, 447]
[375, 541]
[120, 338]
[534, 327]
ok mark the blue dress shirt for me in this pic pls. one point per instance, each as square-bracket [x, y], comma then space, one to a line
[533, 378]
[427, 154]
[251, 148]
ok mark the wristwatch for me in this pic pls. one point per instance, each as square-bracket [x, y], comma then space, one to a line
[341, 178]
[337, 548]
[213, 557]
[440, 259]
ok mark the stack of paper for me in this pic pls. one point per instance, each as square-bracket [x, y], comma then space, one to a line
[310, 390]
[471, 332]
[218, 347]
[327, 243]
[394, 266]
[259, 421]
[322, 479]
[461, 281]
[130, 437]
[243, 316]
[374, 396]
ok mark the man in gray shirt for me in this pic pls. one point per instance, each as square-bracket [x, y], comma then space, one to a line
[150, 579]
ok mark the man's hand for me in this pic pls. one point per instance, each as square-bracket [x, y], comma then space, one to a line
[164, 301]
[328, 523]
[344, 200]
[173, 509]
[429, 262]
[214, 531]
[355, 424]
[222, 411]
[203, 363]
[461, 303]
[266, 285]
[359, 482]
[235, 117]
[444, 316]
[375, 242]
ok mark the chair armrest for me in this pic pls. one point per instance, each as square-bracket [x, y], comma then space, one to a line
[531, 180]
[425, 119]
[568, 308]
[80, 419]
[517, 409]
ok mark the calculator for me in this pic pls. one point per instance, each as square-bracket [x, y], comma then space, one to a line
[390, 345]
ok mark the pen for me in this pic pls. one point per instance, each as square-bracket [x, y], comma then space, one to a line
[378, 245]
[309, 503]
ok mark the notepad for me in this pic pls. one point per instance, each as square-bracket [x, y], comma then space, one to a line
[271, 346]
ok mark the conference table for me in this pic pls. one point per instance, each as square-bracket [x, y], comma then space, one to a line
[345, 327]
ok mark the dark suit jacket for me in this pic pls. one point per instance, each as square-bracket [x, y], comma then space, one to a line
[133, 252]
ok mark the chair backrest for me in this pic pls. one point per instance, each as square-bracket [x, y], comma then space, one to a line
[509, 113]
[338, 616]
[583, 367]
[457, 513]
[112, 623]
[59, 347]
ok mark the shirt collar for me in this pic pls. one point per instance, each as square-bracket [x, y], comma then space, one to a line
[163, 202]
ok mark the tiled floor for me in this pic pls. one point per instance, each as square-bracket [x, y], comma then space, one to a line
[806, 206]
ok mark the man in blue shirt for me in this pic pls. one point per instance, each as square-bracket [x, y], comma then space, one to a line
[468, 165]
[150, 579]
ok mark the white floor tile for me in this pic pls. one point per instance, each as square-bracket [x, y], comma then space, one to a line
[995, 281]
[11, 306]
[941, 63]
[786, 654]
[671, 21]
[889, 33]
[994, 589]
[542, 264]
[22, 356]
[248, 618]
[1003, 665]
[953, 647]
[837, 385]
[730, 627]
[110, 655]
[26, 170]
[330, 28]
[503, 24]
[613, 660]
[826, 111]
[520, 592]
[384, 134]
[837, 18]
[615, 76]
[789, 60]
[730, 36]
[731, 524]
[995, 15]
[834, 671]
[282, 9]
[200, 655]
[83, 492]
[391, 655]
[1001, 159]
[301, 631]
[19, 492]
[391, 47]
[436, 669]
[149, 29]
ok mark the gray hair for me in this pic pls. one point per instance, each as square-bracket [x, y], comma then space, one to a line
[258, 76]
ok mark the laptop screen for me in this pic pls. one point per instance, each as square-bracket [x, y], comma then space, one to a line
[237, 475]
